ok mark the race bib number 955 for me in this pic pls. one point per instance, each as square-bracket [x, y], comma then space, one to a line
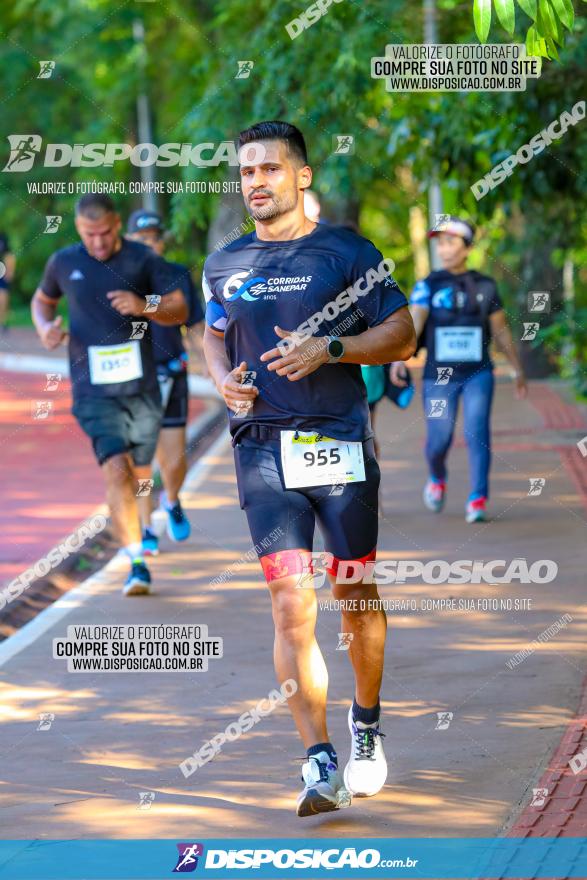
[110, 364]
[309, 459]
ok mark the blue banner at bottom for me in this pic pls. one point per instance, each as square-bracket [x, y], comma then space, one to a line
[273, 858]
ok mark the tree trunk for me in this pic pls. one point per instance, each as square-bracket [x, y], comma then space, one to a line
[419, 241]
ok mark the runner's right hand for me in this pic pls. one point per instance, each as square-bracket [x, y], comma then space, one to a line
[398, 374]
[53, 334]
[233, 392]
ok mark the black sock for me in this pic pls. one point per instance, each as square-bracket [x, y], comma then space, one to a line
[367, 716]
[323, 747]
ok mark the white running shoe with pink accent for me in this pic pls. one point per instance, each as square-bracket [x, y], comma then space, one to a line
[434, 495]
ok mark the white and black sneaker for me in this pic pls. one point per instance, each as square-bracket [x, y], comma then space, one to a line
[324, 790]
[366, 771]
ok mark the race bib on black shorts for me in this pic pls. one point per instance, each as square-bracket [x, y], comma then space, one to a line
[309, 459]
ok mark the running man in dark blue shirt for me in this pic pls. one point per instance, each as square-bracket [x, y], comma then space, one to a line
[459, 311]
[171, 360]
[293, 309]
[106, 280]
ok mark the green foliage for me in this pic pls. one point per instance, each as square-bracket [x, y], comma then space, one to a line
[548, 20]
[320, 81]
[482, 17]
[566, 339]
[506, 12]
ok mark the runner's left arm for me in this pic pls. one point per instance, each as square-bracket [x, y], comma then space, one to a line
[389, 336]
[502, 337]
[171, 310]
[419, 310]
[173, 307]
[392, 340]
[501, 334]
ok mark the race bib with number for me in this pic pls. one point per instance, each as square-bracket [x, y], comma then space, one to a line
[110, 364]
[309, 459]
[459, 343]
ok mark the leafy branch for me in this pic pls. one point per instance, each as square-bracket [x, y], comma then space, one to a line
[549, 20]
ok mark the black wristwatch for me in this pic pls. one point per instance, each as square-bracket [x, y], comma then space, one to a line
[335, 349]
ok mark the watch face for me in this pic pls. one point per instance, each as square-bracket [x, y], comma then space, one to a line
[335, 348]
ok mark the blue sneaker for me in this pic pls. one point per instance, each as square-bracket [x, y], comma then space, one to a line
[150, 543]
[138, 583]
[178, 525]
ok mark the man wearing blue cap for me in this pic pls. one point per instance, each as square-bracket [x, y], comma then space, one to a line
[456, 312]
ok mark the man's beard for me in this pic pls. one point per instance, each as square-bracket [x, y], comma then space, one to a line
[273, 208]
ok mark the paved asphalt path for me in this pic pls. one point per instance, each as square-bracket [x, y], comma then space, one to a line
[115, 735]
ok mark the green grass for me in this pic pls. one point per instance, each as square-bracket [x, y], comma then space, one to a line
[19, 313]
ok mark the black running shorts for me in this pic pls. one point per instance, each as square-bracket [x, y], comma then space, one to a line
[121, 424]
[283, 519]
[174, 391]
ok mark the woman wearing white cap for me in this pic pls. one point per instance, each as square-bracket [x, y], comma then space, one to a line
[456, 312]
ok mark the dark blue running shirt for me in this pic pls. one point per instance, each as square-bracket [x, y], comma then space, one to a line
[252, 285]
[167, 339]
[457, 331]
[85, 282]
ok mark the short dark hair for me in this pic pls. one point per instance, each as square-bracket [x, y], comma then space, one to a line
[93, 206]
[276, 130]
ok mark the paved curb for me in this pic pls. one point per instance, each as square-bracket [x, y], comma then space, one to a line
[561, 810]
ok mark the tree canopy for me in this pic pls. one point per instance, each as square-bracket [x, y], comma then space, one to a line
[532, 224]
